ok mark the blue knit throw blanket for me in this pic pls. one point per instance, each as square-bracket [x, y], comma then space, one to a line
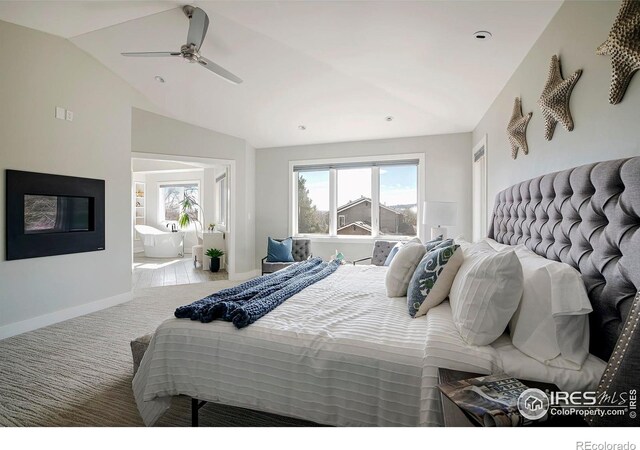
[249, 301]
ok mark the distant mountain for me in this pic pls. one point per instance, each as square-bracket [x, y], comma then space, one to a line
[405, 206]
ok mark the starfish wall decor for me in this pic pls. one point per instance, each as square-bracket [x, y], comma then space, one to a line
[623, 45]
[517, 129]
[554, 100]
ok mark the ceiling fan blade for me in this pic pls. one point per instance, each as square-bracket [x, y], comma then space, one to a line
[198, 25]
[151, 54]
[220, 71]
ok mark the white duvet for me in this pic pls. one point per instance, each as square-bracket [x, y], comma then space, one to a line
[338, 353]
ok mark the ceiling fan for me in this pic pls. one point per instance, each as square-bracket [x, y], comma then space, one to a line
[198, 24]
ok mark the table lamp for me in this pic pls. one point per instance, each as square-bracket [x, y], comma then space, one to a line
[439, 214]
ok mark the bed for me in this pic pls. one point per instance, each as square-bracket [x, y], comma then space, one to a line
[342, 353]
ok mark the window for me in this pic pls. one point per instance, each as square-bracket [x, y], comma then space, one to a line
[221, 186]
[171, 195]
[357, 198]
[313, 202]
[399, 200]
[354, 201]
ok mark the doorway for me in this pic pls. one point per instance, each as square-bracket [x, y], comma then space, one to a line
[173, 252]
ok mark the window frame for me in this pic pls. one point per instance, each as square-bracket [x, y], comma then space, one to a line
[161, 205]
[375, 196]
[222, 206]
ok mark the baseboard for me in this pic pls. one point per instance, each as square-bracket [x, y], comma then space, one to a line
[244, 275]
[34, 323]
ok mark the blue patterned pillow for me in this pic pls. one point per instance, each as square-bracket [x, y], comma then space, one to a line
[438, 243]
[392, 253]
[432, 279]
[280, 251]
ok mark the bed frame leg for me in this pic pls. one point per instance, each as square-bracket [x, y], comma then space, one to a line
[195, 406]
[194, 412]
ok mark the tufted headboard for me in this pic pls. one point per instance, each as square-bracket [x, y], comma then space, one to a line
[588, 217]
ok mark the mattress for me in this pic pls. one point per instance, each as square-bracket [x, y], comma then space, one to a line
[338, 353]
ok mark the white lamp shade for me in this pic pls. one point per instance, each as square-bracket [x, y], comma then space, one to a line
[440, 213]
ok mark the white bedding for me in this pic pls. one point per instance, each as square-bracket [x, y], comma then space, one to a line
[338, 353]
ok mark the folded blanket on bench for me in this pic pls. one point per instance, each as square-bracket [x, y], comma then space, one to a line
[244, 304]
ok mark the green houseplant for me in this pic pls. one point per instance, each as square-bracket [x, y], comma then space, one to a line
[215, 254]
[189, 214]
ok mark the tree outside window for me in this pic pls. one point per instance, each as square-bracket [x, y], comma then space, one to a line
[313, 202]
[172, 194]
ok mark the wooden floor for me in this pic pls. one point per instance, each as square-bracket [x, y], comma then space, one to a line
[151, 272]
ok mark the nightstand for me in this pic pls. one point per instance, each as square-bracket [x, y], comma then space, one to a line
[456, 417]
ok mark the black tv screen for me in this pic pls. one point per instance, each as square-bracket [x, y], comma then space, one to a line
[53, 214]
[56, 213]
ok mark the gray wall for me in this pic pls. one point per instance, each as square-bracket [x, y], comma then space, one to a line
[448, 178]
[602, 131]
[49, 72]
[153, 133]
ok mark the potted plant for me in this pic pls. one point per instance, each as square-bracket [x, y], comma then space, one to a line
[215, 254]
[189, 213]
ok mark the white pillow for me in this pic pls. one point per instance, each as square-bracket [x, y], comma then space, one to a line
[551, 324]
[499, 246]
[402, 267]
[396, 248]
[485, 293]
[462, 242]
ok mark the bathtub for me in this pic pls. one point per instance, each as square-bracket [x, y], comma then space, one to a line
[160, 244]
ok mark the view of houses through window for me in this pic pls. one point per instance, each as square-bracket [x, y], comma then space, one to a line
[396, 195]
[354, 201]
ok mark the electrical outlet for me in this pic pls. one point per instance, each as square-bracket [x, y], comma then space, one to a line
[70, 116]
[60, 113]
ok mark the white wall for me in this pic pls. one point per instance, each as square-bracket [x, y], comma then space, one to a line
[209, 196]
[448, 178]
[141, 177]
[46, 72]
[153, 133]
[602, 131]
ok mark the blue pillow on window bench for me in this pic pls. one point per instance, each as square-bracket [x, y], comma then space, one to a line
[280, 251]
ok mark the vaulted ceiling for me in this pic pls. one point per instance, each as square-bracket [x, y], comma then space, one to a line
[338, 68]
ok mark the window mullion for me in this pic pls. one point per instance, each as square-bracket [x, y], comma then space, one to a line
[333, 202]
[294, 205]
[375, 201]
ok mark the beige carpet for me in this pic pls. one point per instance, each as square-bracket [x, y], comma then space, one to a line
[78, 372]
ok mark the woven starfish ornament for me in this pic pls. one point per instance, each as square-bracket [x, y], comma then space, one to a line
[623, 45]
[517, 129]
[554, 101]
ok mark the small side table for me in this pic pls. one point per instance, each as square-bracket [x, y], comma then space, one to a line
[456, 417]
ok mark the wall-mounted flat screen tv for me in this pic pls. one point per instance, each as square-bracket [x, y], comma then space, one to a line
[53, 214]
[57, 213]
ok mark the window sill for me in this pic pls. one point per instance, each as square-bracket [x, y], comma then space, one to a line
[352, 239]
